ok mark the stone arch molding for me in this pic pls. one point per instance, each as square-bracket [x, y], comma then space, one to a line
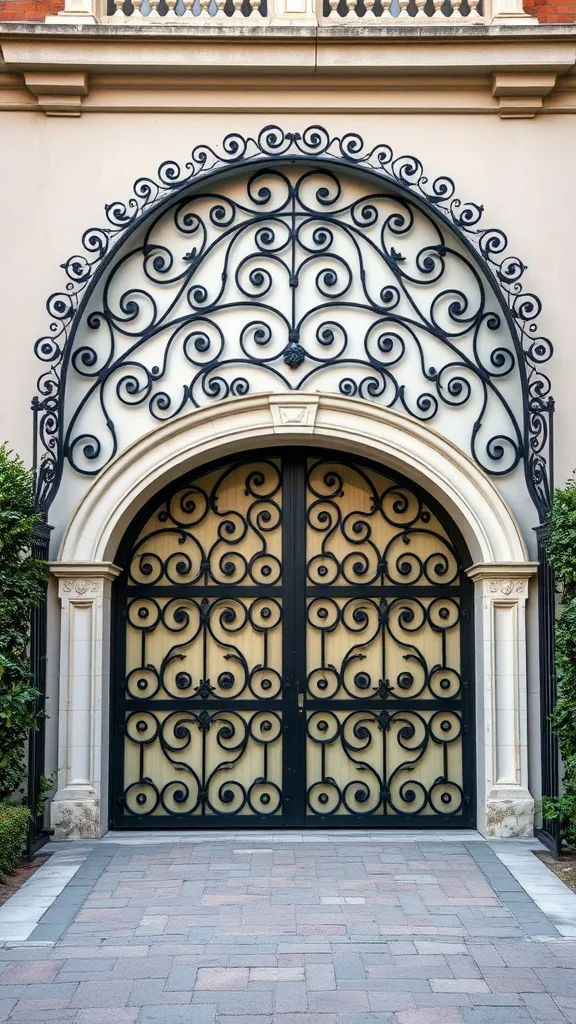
[86, 571]
[237, 424]
[314, 263]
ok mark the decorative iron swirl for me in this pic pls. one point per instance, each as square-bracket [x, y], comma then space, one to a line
[393, 790]
[449, 301]
[407, 638]
[200, 782]
[357, 548]
[189, 631]
[233, 549]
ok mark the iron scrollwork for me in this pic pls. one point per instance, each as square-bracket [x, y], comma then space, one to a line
[241, 696]
[200, 694]
[364, 301]
[386, 692]
[386, 790]
[203, 784]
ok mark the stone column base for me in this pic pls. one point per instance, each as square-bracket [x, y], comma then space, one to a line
[75, 813]
[509, 814]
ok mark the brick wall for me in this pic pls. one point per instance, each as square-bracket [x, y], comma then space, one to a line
[28, 10]
[552, 11]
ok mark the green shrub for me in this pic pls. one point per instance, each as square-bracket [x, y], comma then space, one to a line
[22, 584]
[562, 557]
[14, 823]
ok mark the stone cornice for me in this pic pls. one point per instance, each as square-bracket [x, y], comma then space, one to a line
[498, 570]
[84, 570]
[511, 70]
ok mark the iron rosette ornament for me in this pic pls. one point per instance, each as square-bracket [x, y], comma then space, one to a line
[294, 274]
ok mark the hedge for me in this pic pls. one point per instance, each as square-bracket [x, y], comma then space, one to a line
[13, 832]
[22, 587]
[562, 558]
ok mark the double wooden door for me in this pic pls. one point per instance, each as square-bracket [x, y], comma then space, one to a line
[292, 649]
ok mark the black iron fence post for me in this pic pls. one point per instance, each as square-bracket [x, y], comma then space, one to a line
[549, 833]
[37, 833]
[40, 548]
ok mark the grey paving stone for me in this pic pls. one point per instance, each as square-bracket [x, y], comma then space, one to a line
[541, 928]
[290, 997]
[5, 1007]
[559, 981]
[38, 992]
[247, 1019]
[512, 979]
[495, 1015]
[348, 966]
[153, 914]
[368, 1018]
[496, 999]
[37, 1015]
[320, 977]
[151, 991]
[123, 1015]
[142, 967]
[163, 1014]
[338, 1002]
[543, 1008]
[255, 1003]
[96, 993]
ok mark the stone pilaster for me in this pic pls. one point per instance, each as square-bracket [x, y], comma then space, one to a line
[505, 805]
[79, 809]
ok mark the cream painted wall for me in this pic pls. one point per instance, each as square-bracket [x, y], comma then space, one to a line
[59, 172]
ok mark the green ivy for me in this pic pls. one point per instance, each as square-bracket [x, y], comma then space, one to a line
[562, 557]
[22, 585]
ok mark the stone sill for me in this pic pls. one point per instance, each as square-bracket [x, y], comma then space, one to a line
[487, 33]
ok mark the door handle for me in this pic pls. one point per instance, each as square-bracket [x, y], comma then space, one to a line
[300, 702]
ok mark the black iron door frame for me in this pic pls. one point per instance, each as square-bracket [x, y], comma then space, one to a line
[293, 702]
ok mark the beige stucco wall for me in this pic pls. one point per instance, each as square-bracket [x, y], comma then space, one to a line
[61, 171]
[57, 173]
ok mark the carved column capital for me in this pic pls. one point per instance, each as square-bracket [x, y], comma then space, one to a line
[501, 580]
[78, 579]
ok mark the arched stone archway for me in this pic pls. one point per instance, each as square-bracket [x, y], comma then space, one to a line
[500, 573]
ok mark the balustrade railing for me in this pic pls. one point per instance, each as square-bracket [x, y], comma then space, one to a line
[277, 12]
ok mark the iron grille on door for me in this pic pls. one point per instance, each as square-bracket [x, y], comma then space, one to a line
[292, 649]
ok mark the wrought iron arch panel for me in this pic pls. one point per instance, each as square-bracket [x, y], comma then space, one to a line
[293, 647]
[319, 263]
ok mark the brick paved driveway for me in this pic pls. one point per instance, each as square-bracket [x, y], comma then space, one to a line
[331, 932]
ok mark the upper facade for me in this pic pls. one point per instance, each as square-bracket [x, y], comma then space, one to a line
[511, 58]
